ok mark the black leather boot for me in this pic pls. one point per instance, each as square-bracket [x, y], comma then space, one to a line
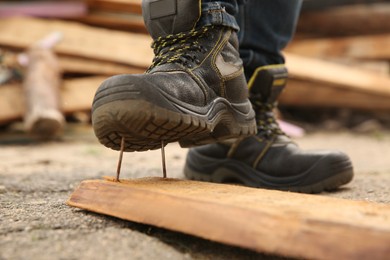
[269, 159]
[194, 92]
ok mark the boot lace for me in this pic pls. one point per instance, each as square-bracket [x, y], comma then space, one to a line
[267, 126]
[179, 48]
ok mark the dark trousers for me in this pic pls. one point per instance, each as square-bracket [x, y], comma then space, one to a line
[264, 27]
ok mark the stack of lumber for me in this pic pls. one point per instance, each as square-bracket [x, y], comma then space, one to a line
[340, 56]
[327, 68]
[94, 52]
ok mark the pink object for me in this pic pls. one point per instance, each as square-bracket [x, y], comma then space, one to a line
[50, 40]
[66, 9]
[46, 43]
[290, 129]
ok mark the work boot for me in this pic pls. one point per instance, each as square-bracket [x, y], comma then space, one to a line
[194, 92]
[269, 159]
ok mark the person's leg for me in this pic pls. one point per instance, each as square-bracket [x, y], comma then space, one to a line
[269, 159]
[194, 92]
[266, 27]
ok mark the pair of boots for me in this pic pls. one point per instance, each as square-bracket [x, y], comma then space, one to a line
[195, 92]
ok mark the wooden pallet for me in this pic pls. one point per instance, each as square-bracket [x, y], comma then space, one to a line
[275, 222]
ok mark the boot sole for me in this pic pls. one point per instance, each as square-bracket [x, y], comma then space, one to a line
[342, 174]
[144, 125]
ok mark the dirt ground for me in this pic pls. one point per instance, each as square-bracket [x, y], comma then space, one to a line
[37, 178]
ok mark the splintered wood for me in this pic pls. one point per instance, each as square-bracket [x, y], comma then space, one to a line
[275, 222]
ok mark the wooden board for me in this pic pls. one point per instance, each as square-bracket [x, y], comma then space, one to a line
[76, 95]
[275, 222]
[79, 40]
[364, 47]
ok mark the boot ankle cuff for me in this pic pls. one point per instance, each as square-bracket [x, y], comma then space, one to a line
[214, 13]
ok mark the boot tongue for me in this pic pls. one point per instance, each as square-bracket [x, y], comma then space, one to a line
[268, 82]
[165, 17]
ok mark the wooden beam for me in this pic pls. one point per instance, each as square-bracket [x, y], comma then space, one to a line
[346, 20]
[80, 40]
[76, 95]
[275, 222]
[363, 47]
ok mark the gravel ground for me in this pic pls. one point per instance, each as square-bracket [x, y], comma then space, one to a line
[37, 178]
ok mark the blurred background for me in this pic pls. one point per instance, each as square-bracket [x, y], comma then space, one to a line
[54, 55]
[338, 62]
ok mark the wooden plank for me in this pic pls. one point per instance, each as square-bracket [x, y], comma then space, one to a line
[282, 223]
[12, 103]
[76, 95]
[77, 65]
[377, 66]
[89, 66]
[80, 40]
[304, 93]
[316, 83]
[346, 20]
[117, 21]
[363, 47]
[337, 75]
